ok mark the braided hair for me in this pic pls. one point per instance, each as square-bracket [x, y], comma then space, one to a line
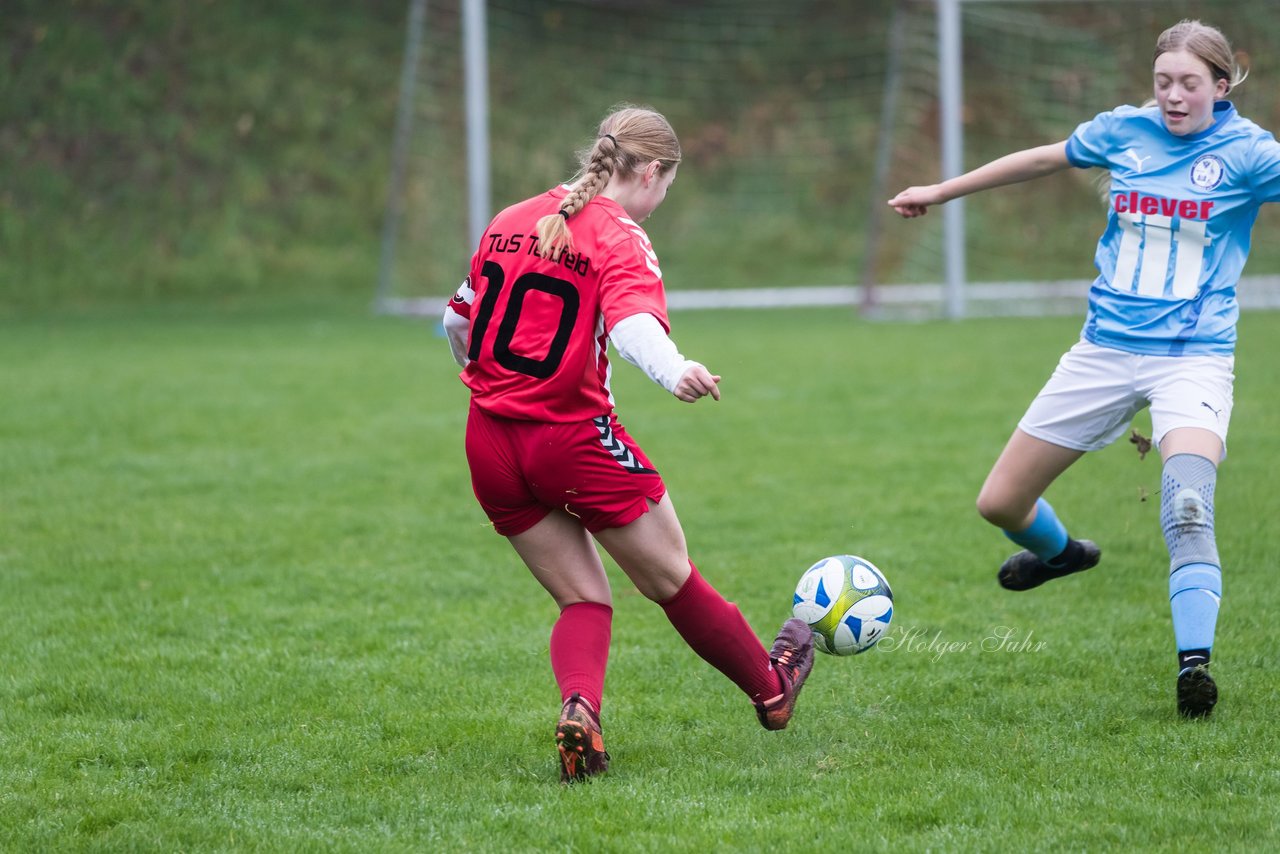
[629, 138]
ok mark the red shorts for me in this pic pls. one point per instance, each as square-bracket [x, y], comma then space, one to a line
[521, 470]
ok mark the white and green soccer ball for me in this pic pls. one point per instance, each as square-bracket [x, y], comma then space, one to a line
[846, 601]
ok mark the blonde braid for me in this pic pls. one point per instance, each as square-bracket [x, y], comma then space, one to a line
[629, 137]
[553, 231]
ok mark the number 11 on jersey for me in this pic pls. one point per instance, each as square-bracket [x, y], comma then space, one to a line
[1146, 244]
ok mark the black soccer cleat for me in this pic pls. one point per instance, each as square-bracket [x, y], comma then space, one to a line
[1197, 692]
[1024, 570]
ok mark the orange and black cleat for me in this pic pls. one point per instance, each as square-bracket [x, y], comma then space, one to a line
[792, 657]
[580, 742]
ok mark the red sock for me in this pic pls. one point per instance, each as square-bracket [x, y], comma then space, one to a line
[717, 631]
[580, 650]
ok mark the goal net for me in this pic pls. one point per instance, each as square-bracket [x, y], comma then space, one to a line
[797, 121]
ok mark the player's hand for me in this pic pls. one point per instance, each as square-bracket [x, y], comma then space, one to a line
[696, 383]
[915, 201]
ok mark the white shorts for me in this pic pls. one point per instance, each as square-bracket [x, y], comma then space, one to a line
[1095, 391]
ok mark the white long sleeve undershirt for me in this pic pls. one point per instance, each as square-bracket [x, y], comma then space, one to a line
[455, 329]
[641, 340]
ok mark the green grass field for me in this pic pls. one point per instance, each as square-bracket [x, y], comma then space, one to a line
[247, 602]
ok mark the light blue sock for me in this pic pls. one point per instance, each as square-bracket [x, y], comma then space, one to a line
[1194, 593]
[1045, 537]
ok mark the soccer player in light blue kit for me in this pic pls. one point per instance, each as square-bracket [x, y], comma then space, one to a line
[1188, 175]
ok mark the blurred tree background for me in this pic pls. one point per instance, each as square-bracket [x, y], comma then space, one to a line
[204, 149]
[226, 150]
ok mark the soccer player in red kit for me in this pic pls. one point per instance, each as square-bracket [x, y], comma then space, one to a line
[554, 280]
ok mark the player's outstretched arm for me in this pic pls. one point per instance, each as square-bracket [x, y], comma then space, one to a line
[642, 341]
[1010, 169]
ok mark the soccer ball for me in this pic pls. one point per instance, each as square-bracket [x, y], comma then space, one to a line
[846, 601]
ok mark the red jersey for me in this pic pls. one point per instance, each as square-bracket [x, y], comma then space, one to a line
[539, 326]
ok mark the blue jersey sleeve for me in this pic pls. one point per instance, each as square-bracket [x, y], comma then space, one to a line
[1265, 169]
[1089, 142]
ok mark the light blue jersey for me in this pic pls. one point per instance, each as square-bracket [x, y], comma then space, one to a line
[1178, 229]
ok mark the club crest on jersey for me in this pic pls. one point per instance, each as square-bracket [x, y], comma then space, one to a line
[1208, 171]
[465, 293]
